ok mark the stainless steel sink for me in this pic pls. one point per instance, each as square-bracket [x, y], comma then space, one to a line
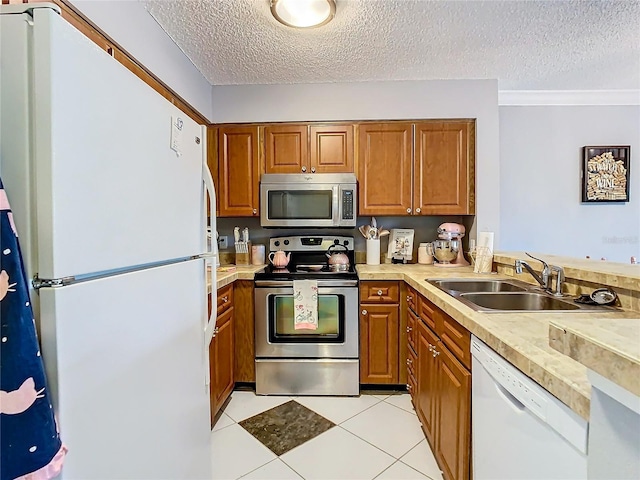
[522, 301]
[464, 286]
[506, 295]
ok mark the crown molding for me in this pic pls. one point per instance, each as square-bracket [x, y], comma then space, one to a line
[508, 98]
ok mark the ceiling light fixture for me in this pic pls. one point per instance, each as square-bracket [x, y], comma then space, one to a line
[303, 13]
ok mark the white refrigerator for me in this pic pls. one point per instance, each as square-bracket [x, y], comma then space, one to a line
[108, 184]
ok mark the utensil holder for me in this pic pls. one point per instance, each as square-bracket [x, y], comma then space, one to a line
[373, 251]
[243, 253]
[483, 260]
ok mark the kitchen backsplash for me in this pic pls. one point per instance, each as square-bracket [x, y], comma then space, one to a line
[425, 228]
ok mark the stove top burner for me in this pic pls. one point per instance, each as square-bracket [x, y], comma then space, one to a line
[308, 258]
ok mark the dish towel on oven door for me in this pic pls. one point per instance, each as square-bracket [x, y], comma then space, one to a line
[30, 445]
[305, 304]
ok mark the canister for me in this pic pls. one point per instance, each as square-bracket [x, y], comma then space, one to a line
[425, 253]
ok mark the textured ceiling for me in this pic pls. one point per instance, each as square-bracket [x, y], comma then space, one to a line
[526, 45]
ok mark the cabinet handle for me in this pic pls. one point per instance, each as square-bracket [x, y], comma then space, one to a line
[435, 353]
[255, 211]
[364, 312]
[409, 329]
[379, 293]
[431, 348]
[409, 361]
[313, 169]
[304, 169]
[408, 210]
[409, 387]
[418, 210]
[225, 299]
[409, 298]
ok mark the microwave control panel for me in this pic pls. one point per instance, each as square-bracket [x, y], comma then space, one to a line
[347, 204]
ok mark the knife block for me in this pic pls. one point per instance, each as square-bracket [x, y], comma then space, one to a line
[243, 253]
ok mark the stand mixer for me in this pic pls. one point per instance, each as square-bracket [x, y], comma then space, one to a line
[448, 248]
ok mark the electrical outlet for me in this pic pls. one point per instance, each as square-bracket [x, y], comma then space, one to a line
[223, 242]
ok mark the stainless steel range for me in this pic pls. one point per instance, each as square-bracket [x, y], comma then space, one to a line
[323, 361]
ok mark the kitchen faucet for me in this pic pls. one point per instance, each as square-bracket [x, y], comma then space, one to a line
[545, 278]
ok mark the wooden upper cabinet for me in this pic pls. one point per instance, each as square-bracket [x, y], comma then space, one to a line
[238, 163]
[309, 148]
[331, 148]
[384, 168]
[286, 148]
[444, 168]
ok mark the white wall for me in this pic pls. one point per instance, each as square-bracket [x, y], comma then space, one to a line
[130, 26]
[540, 157]
[382, 101]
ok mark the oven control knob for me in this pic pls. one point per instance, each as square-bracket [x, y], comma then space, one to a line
[277, 243]
[286, 242]
[346, 242]
[336, 242]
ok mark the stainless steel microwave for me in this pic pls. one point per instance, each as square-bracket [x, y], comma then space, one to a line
[308, 200]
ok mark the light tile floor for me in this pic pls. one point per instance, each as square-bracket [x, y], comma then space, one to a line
[375, 437]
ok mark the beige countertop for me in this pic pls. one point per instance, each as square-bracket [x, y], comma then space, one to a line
[609, 347]
[521, 338]
[614, 274]
[224, 278]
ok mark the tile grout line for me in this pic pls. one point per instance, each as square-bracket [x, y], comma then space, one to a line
[422, 473]
[413, 411]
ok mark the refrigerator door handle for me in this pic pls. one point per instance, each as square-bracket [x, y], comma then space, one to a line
[210, 260]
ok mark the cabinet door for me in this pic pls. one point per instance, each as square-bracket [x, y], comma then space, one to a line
[427, 371]
[286, 149]
[384, 169]
[379, 343]
[331, 148]
[444, 175]
[453, 441]
[212, 161]
[238, 163]
[221, 357]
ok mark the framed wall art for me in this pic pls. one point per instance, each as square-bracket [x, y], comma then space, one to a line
[605, 174]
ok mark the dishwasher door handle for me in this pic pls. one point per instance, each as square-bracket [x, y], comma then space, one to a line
[513, 401]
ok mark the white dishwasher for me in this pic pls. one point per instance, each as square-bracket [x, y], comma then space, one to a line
[519, 430]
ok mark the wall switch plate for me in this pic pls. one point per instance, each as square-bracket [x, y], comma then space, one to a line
[223, 242]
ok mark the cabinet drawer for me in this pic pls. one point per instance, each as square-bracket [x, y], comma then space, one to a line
[412, 329]
[455, 337]
[411, 387]
[412, 299]
[379, 292]
[427, 312]
[411, 361]
[225, 299]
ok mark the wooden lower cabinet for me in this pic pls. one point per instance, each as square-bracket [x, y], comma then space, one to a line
[380, 332]
[453, 417]
[426, 394]
[244, 331]
[221, 362]
[442, 393]
[379, 344]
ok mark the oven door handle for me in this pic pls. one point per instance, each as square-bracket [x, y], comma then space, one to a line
[321, 283]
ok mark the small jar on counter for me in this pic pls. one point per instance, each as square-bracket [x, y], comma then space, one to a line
[425, 253]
